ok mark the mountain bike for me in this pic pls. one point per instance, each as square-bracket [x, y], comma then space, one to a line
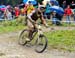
[41, 41]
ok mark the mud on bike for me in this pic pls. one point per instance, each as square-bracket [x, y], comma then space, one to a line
[41, 41]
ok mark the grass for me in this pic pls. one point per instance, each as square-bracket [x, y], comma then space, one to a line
[62, 40]
[7, 29]
[11, 26]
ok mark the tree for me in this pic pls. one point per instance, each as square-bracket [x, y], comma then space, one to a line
[11, 2]
[39, 1]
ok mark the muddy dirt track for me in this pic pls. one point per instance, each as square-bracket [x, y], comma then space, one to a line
[9, 48]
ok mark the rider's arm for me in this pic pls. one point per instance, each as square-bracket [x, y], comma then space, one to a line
[43, 20]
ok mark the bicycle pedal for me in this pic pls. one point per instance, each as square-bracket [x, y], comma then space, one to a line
[28, 45]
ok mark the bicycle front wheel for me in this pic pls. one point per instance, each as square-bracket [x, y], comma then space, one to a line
[41, 44]
[23, 36]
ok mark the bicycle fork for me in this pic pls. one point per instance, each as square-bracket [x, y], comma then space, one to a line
[40, 34]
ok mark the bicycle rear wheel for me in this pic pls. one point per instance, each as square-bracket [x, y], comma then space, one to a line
[41, 44]
[23, 36]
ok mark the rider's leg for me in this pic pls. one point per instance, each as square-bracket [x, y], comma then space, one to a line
[30, 25]
[25, 21]
[30, 28]
[30, 33]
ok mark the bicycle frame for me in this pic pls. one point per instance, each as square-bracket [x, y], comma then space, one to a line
[38, 31]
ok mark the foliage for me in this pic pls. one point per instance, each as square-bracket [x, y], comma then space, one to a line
[14, 2]
[39, 1]
[11, 2]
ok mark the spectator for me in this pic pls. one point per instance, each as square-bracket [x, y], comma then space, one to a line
[13, 13]
[8, 14]
[30, 10]
[74, 14]
[47, 11]
[52, 3]
[1, 15]
[54, 17]
[22, 11]
[56, 3]
[25, 9]
[68, 13]
[64, 5]
[17, 12]
[59, 17]
[72, 5]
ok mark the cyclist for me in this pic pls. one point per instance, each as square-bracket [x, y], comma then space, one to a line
[33, 15]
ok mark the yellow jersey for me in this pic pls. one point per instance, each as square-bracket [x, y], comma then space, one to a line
[30, 8]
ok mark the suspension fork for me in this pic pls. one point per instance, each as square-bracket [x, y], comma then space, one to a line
[40, 33]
